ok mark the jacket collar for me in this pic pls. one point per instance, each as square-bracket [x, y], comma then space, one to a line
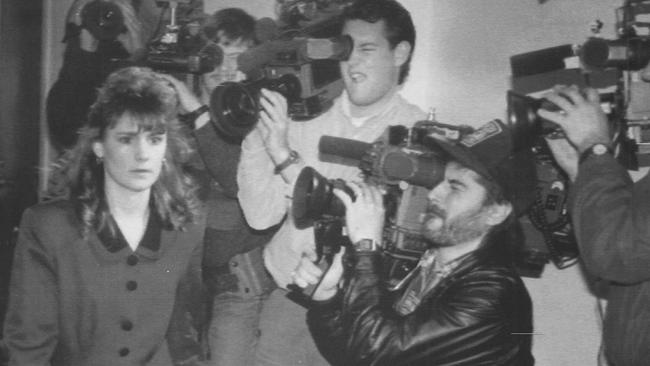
[114, 247]
[490, 252]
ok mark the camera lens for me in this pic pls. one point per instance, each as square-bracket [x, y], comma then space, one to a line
[235, 106]
[313, 198]
[103, 19]
[234, 109]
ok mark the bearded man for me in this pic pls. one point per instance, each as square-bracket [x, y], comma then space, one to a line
[465, 304]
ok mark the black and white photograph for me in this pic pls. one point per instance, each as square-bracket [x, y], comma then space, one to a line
[325, 182]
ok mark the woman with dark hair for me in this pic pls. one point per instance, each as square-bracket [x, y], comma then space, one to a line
[109, 275]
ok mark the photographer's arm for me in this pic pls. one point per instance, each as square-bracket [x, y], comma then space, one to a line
[359, 327]
[274, 129]
[218, 155]
[263, 190]
[610, 213]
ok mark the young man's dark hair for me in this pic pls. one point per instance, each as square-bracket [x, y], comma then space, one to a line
[398, 24]
[233, 22]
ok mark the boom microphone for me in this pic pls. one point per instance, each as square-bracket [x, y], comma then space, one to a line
[204, 61]
[342, 147]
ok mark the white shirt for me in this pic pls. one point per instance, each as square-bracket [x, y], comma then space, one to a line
[265, 196]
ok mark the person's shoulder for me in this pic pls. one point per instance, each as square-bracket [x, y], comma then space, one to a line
[50, 212]
[334, 110]
[52, 222]
[409, 113]
[491, 271]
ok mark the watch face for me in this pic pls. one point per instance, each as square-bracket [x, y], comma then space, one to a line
[365, 245]
[599, 149]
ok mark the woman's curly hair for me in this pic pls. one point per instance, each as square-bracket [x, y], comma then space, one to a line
[151, 100]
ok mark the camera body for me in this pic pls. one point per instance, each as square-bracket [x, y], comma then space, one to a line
[303, 62]
[182, 48]
[405, 163]
[631, 51]
[103, 19]
[298, 69]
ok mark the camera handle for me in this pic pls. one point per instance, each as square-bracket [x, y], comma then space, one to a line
[328, 238]
[303, 296]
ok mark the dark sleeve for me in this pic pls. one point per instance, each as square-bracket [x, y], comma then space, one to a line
[611, 217]
[362, 328]
[220, 156]
[31, 326]
[188, 316]
[75, 89]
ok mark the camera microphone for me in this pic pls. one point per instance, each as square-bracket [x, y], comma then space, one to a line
[342, 147]
[625, 54]
[209, 58]
[392, 163]
[206, 60]
[266, 29]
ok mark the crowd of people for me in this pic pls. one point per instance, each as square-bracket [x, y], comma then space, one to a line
[175, 244]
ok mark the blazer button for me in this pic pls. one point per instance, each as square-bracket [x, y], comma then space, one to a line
[126, 325]
[132, 260]
[131, 285]
[124, 351]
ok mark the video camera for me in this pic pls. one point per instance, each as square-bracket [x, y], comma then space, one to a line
[103, 19]
[301, 67]
[631, 51]
[606, 65]
[405, 163]
[182, 48]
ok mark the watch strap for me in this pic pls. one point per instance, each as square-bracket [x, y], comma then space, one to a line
[598, 149]
[190, 118]
[293, 158]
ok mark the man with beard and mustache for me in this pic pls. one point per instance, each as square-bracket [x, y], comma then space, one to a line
[464, 303]
[274, 153]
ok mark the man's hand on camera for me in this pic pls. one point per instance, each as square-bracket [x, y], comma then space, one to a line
[364, 217]
[274, 124]
[580, 116]
[87, 41]
[565, 155]
[187, 100]
[308, 273]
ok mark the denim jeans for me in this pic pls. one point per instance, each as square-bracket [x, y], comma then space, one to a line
[233, 331]
[284, 337]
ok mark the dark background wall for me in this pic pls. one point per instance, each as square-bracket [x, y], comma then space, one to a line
[20, 62]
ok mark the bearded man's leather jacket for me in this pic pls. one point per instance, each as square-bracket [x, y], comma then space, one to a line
[479, 314]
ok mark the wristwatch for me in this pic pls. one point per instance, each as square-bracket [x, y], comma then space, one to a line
[598, 149]
[366, 245]
[293, 158]
[190, 118]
